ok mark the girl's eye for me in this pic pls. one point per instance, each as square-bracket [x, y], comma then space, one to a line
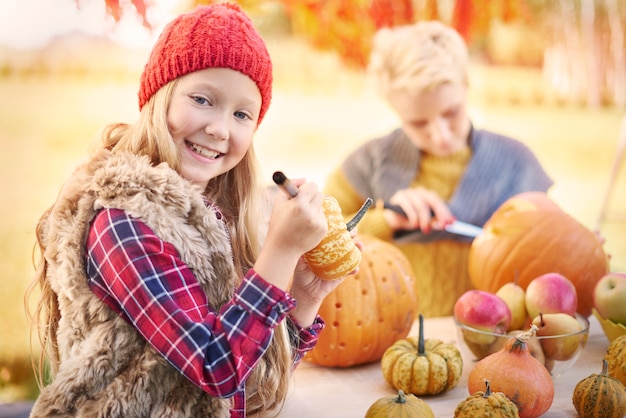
[200, 100]
[242, 115]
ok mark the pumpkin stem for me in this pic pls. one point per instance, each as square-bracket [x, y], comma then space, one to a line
[401, 397]
[522, 337]
[487, 388]
[420, 337]
[605, 367]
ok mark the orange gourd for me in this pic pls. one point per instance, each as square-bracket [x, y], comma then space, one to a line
[600, 396]
[486, 404]
[530, 235]
[400, 406]
[422, 366]
[516, 373]
[616, 357]
[368, 311]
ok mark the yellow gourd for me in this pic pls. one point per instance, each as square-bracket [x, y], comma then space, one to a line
[422, 367]
[486, 404]
[600, 396]
[616, 357]
[401, 406]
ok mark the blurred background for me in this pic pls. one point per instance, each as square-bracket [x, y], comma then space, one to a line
[551, 73]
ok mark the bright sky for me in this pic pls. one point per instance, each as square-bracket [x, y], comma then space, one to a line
[32, 23]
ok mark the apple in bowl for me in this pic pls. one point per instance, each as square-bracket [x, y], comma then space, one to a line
[551, 293]
[557, 352]
[485, 312]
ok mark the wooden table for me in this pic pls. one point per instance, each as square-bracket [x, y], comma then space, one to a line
[348, 392]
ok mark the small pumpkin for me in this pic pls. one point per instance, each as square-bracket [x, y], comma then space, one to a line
[600, 396]
[401, 406]
[530, 235]
[422, 367]
[486, 404]
[616, 357]
[368, 311]
[515, 372]
[336, 255]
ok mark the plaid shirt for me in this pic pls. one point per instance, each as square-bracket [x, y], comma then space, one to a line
[143, 278]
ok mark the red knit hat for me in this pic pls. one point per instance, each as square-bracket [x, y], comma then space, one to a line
[219, 35]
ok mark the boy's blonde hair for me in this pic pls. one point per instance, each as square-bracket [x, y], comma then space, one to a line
[416, 58]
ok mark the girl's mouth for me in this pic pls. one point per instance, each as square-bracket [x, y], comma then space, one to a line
[202, 151]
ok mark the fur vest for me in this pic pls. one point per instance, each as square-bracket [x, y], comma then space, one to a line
[106, 368]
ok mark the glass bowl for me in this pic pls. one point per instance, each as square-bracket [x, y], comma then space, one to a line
[611, 329]
[478, 344]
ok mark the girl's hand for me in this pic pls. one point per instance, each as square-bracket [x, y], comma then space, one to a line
[310, 291]
[296, 225]
[424, 209]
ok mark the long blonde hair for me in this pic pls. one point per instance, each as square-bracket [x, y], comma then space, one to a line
[239, 196]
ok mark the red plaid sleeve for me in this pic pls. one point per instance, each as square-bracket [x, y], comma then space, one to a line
[144, 279]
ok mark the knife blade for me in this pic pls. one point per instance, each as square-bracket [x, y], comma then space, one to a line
[364, 208]
[456, 227]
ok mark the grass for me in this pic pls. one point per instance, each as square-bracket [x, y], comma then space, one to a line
[320, 112]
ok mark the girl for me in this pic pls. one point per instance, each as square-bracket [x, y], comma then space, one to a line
[161, 293]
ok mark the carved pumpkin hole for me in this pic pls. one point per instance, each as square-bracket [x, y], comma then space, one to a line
[336, 324]
[338, 305]
[364, 292]
[342, 345]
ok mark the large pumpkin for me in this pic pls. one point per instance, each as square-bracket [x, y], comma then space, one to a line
[530, 235]
[368, 311]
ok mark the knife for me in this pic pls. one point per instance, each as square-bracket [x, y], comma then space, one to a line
[456, 227]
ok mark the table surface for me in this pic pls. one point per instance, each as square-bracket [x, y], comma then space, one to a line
[348, 392]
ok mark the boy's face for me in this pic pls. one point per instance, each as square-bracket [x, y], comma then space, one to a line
[435, 120]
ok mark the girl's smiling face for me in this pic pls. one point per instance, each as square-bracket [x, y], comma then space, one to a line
[212, 117]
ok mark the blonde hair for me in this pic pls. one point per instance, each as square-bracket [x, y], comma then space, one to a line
[240, 197]
[417, 58]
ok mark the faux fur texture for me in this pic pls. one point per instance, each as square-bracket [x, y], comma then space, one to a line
[107, 369]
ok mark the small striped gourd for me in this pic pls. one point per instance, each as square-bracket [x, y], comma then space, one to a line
[401, 406]
[600, 396]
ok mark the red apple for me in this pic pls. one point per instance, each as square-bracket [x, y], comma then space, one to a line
[484, 311]
[609, 297]
[551, 293]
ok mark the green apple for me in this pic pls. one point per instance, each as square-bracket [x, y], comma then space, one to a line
[609, 297]
[555, 324]
[514, 296]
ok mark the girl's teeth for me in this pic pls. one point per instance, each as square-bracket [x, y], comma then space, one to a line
[203, 151]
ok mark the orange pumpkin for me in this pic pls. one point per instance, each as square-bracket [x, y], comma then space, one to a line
[515, 372]
[368, 311]
[530, 235]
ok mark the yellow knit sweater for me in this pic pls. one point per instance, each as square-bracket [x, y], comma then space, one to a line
[440, 267]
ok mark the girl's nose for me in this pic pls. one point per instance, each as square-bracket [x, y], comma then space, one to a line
[218, 126]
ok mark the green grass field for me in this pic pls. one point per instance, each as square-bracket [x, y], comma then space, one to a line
[319, 113]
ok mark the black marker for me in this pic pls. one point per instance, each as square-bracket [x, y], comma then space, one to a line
[284, 183]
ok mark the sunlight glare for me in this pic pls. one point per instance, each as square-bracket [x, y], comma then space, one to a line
[33, 23]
